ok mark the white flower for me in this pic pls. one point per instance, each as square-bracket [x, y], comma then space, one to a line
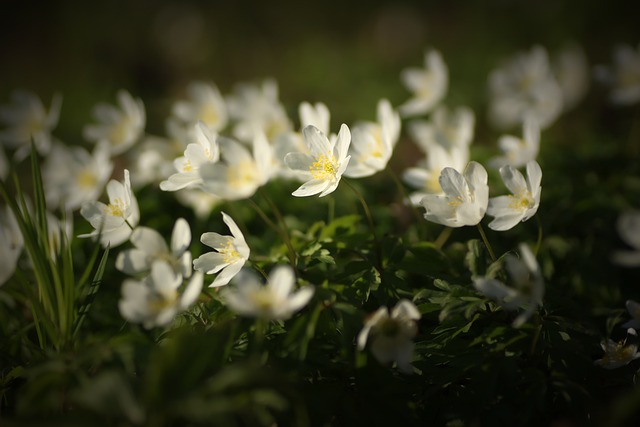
[429, 85]
[257, 108]
[317, 115]
[391, 336]
[524, 86]
[372, 143]
[11, 243]
[239, 173]
[618, 354]
[205, 150]
[26, 120]
[273, 301]
[324, 165]
[634, 310]
[205, 105]
[120, 128]
[517, 152]
[155, 301]
[73, 176]
[231, 253]
[465, 197]
[202, 203]
[150, 247]
[425, 177]
[572, 72]
[113, 222]
[624, 77]
[444, 129]
[628, 226]
[527, 290]
[522, 204]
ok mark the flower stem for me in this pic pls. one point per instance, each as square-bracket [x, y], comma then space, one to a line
[372, 226]
[282, 233]
[443, 237]
[539, 242]
[486, 243]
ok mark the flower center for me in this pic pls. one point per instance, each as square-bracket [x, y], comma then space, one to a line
[242, 174]
[116, 208]
[325, 167]
[159, 302]
[522, 201]
[86, 179]
[621, 354]
[229, 252]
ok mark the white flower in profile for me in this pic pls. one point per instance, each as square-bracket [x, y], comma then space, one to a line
[205, 105]
[119, 126]
[425, 177]
[618, 354]
[113, 222]
[156, 300]
[273, 301]
[445, 129]
[623, 76]
[73, 176]
[464, 199]
[525, 86]
[523, 201]
[205, 150]
[257, 108]
[428, 85]
[239, 173]
[150, 246]
[324, 165]
[391, 336]
[517, 152]
[628, 226]
[231, 253]
[11, 243]
[372, 143]
[26, 119]
[527, 290]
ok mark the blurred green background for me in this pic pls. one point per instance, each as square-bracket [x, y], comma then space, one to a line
[347, 54]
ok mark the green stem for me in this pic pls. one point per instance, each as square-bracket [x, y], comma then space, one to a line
[539, 242]
[486, 243]
[283, 235]
[259, 335]
[283, 227]
[372, 226]
[443, 237]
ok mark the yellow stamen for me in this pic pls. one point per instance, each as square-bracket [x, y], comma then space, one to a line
[325, 167]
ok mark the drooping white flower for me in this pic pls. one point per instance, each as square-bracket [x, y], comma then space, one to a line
[372, 143]
[517, 152]
[623, 76]
[524, 86]
[11, 243]
[113, 222]
[464, 199]
[273, 301]
[150, 246]
[231, 253]
[73, 176]
[628, 226]
[425, 176]
[205, 150]
[239, 173]
[391, 336]
[205, 105]
[523, 201]
[618, 354]
[26, 119]
[156, 300]
[445, 129]
[528, 286]
[119, 127]
[428, 85]
[324, 165]
[257, 108]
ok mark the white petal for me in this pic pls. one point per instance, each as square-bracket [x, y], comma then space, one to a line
[311, 188]
[133, 261]
[298, 161]
[281, 281]
[210, 263]
[180, 237]
[342, 143]
[233, 227]
[513, 179]
[316, 141]
[300, 298]
[192, 291]
[149, 240]
[227, 274]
